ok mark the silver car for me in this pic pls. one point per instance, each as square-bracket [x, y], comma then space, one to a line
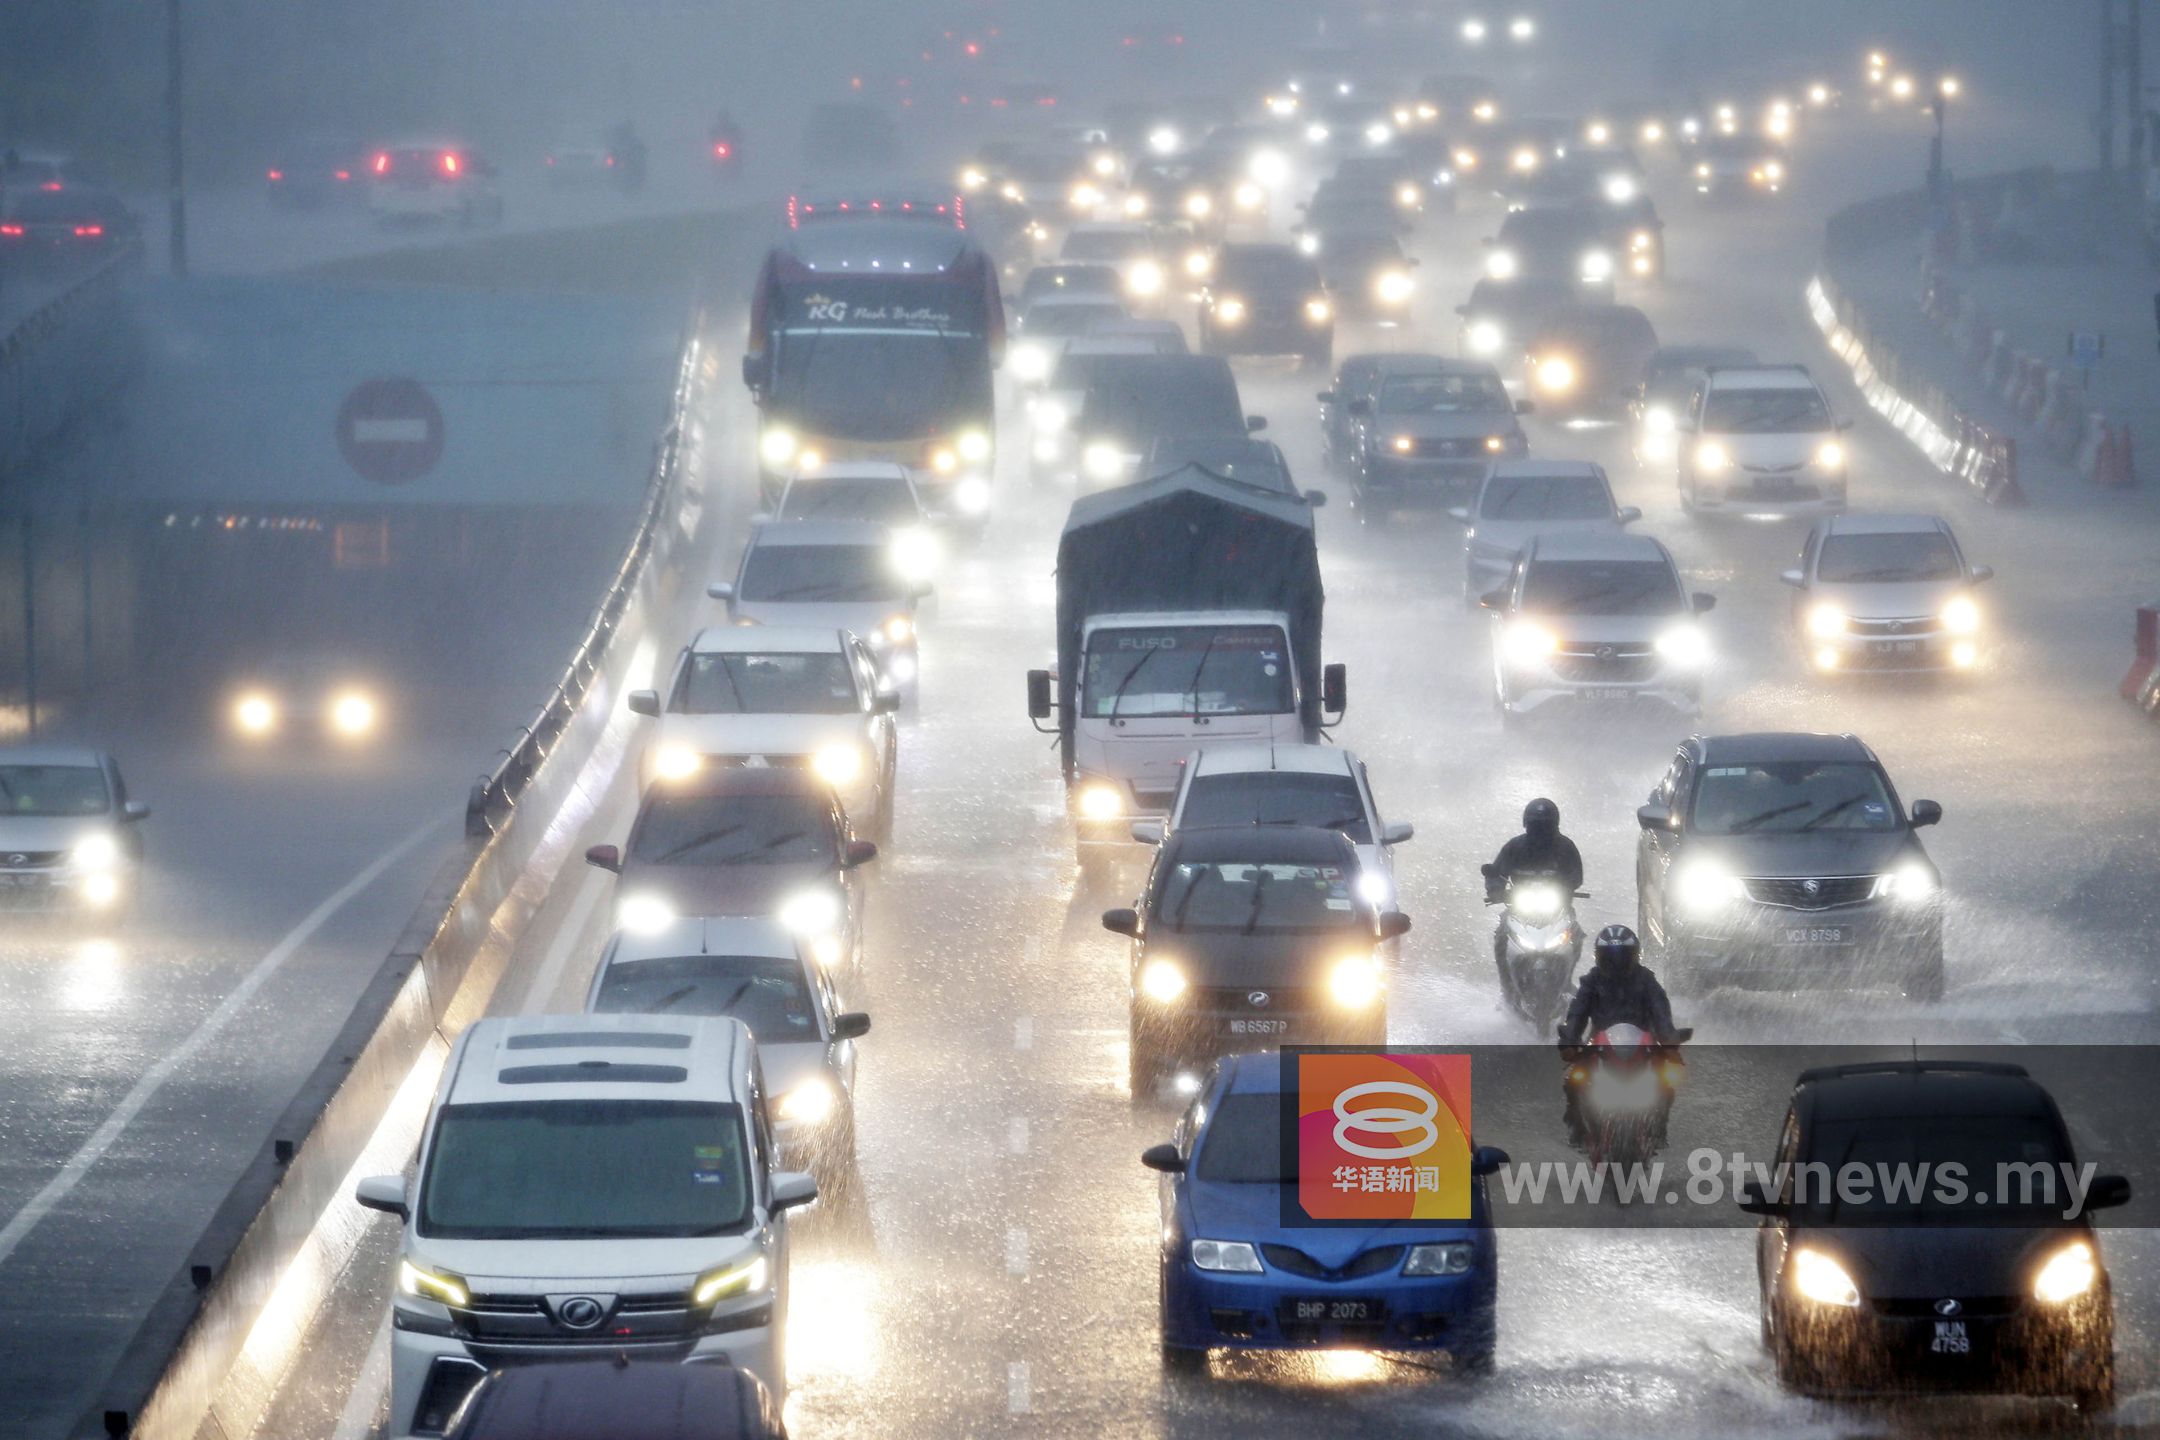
[831, 575]
[1523, 499]
[1887, 592]
[762, 974]
[68, 842]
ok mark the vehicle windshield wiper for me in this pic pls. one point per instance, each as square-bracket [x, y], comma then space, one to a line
[674, 997]
[695, 842]
[727, 669]
[1259, 897]
[1843, 805]
[1757, 819]
[1117, 696]
[1194, 689]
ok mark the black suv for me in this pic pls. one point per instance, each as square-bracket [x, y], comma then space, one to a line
[1267, 300]
[1788, 860]
[1249, 937]
[1939, 1290]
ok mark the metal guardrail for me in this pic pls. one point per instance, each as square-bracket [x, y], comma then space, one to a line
[496, 793]
[38, 400]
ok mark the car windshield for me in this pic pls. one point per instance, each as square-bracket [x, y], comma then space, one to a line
[53, 790]
[1241, 1144]
[585, 1169]
[766, 994]
[879, 501]
[1982, 1144]
[1110, 245]
[1277, 797]
[1920, 555]
[1545, 497]
[892, 384]
[1471, 394]
[1187, 670]
[1255, 898]
[1785, 410]
[1602, 587]
[1065, 320]
[1068, 280]
[1138, 403]
[1270, 270]
[1777, 797]
[776, 683]
[819, 572]
[1348, 254]
[1255, 462]
[678, 829]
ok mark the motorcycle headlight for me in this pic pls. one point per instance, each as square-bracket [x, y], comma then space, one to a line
[1102, 461]
[1556, 374]
[1049, 416]
[1702, 171]
[1484, 337]
[1830, 455]
[1825, 621]
[810, 912]
[1162, 981]
[777, 446]
[2069, 1273]
[1354, 982]
[810, 1103]
[1684, 645]
[1393, 287]
[1597, 265]
[1501, 264]
[1164, 140]
[1229, 310]
[1199, 205]
[1454, 1258]
[1030, 362]
[426, 1282]
[95, 852]
[1712, 458]
[1318, 311]
[676, 762]
[837, 764]
[1317, 133]
[1248, 195]
[1528, 642]
[745, 1278]
[1706, 887]
[1535, 901]
[1104, 166]
[642, 913]
[1100, 800]
[1817, 1277]
[1961, 616]
[1234, 1257]
[1145, 278]
[1623, 1091]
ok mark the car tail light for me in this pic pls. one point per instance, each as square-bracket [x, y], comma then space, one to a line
[722, 150]
[611, 162]
[451, 164]
[343, 174]
[382, 163]
[51, 187]
[276, 175]
[11, 232]
[91, 231]
[551, 160]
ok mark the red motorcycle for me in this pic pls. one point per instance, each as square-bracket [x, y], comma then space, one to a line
[1620, 1089]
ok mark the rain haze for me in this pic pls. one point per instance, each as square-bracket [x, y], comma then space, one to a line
[1141, 720]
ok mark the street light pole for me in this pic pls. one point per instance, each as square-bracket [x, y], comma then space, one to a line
[175, 150]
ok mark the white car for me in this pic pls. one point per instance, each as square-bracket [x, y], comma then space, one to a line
[68, 840]
[829, 574]
[1887, 592]
[877, 492]
[1760, 440]
[779, 695]
[1129, 246]
[432, 182]
[1318, 785]
[1048, 326]
[1523, 499]
[588, 1184]
[1598, 617]
[761, 973]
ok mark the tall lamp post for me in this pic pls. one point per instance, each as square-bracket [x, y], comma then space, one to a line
[1946, 90]
[175, 151]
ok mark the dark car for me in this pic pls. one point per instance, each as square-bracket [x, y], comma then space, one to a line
[621, 1399]
[1787, 859]
[1667, 393]
[1425, 435]
[1500, 313]
[1358, 376]
[1588, 359]
[1366, 273]
[1356, 204]
[1930, 1291]
[737, 840]
[1267, 300]
[44, 231]
[1134, 400]
[1560, 246]
[316, 175]
[1248, 938]
[1245, 458]
[1069, 279]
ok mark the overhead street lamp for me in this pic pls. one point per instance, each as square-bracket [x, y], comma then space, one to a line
[1947, 88]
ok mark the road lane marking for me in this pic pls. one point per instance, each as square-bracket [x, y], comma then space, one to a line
[542, 990]
[153, 1080]
[357, 1420]
[1023, 1033]
[1016, 1387]
[1016, 1135]
[1016, 1251]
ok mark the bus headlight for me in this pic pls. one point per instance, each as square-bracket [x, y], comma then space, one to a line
[777, 446]
[1162, 981]
[837, 764]
[1354, 982]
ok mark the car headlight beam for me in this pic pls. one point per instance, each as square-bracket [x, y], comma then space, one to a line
[1817, 1277]
[2068, 1273]
[838, 764]
[746, 1278]
[1354, 982]
[1162, 981]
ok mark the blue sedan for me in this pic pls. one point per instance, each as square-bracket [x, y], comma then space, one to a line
[1235, 1277]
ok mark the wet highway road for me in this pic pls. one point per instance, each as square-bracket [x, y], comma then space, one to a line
[1006, 1285]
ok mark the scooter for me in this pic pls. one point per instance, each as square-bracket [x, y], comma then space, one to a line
[1620, 1090]
[1539, 943]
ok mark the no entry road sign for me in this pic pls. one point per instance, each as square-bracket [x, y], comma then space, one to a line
[390, 430]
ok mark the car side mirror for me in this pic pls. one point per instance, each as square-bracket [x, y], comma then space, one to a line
[1752, 1201]
[1325, 397]
[720, 590]
[643, 702]
[1981, 573]
[754, 371]
[885, 702]
[1654, 817]
[1402, 832]
[1795, 578]
[1701, 603]
[1164, 1158]
[1317, 499]
[605, 857]
[386, 1193]
[1335, 689]
[1254, 424]
[2107, 1191]
[850, 1025]
[1360, 407]
[1926, 812]
[1394, 925]
[1460, 514]
[791, 1190]
[1526, 407]
[1487, 1160]
[858, 853]
[134, 810]
[1493, 600]
[1038, 694]
[1628, 514]
[1147, 832]
[1121, 921]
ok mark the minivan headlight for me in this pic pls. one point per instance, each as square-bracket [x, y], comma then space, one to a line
[427, 1283]
[732, 1280]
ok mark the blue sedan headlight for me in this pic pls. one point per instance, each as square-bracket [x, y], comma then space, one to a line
[1454, 1258]
[1233, 1256]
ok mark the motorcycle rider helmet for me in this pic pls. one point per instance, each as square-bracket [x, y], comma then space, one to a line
[1617, 949]
[1541, 818]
